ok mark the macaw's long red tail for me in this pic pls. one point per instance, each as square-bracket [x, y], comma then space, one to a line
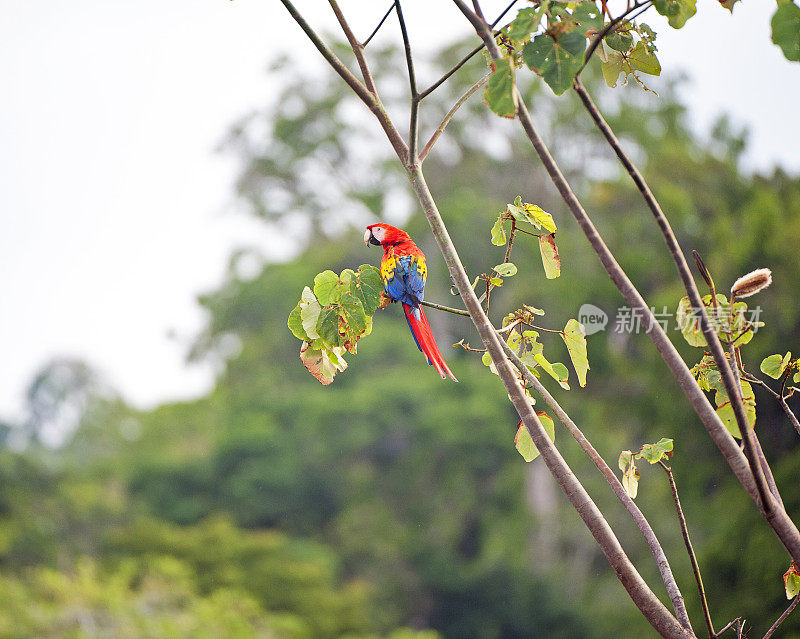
[423, 336]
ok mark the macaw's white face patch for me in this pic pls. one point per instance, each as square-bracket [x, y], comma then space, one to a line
[378, 232]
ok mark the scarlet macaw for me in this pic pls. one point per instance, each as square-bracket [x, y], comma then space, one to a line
[403, 272]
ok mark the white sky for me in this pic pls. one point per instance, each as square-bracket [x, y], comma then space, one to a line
[115, 212]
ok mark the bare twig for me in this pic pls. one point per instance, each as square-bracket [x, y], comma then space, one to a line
[413, 127]
[446, 309]
[728, 625]
[446, 120]
[782, 618]
[465, 59]
[367, 97]
[380, 24]
[692, 558]
[357, 48]
[641, 521]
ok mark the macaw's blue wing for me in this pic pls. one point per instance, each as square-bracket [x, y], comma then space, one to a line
[404, 278]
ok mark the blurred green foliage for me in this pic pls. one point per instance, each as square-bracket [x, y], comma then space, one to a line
[276, 507]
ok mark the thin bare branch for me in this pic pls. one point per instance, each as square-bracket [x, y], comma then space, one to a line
[380, 24]
[690, 550]
[616, 485]
[358, 50]
[413, 126]
[782, 618]
[367, 97]
[446, 119]
[446, 309]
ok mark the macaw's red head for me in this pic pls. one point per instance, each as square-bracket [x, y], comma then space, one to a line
[384, 235]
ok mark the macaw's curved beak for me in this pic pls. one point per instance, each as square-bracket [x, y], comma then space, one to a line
[369, 238]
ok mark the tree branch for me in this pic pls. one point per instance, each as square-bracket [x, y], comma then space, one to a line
[647, 531]
[770, 507]
[370, 99]
[740, 465]
[690, 550]
[358, 50]
[650, 606]
[446, 120]
[782, 618]
[413, 127]
[380, 24]
[446, 309]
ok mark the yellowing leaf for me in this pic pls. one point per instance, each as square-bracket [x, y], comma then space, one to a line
[630, 474]
[575, 338]
[550, 259]
[322, 363]
[498, 232]
[791, 581]
[725, 410]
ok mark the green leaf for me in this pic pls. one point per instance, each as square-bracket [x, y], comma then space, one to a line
[676, 11]
[526, 22]
[786, 30]
[641, 59]
[295, 323]
[506, 269]
[689, 323]
[575, 338]
[367, 287]
[328, 326]
[524, 442]
[557, 61]
[775, 365]
[499, 232]
[556, 370]
[496, 281]
[630, 475]
[791, 581]
[309, 315]
[352, 312]
[587, 17]
[612, 67]
[499, 94]
[550, 259]
[654, 453]
[326, 286]
[725, 410]
[620, 38]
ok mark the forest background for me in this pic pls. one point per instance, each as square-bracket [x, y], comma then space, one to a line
[391, 501]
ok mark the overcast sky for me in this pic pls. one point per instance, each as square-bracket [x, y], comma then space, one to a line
[115, 211]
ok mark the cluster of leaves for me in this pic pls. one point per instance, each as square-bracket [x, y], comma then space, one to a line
[553, 39]
[528, 214]
[531, 351]
[734, 324]
[330, 318]
[710, 379]
[653, 453]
